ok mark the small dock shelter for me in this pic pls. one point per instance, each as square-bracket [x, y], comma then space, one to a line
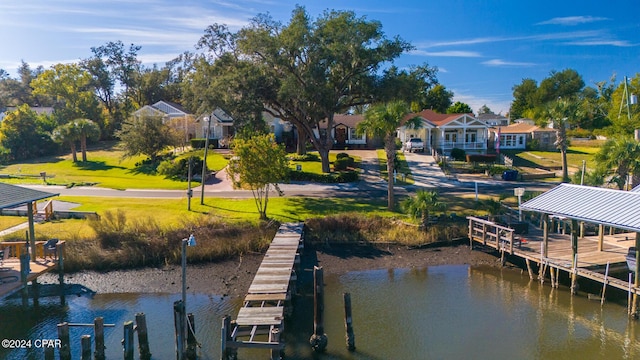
[576, 204]
[12, 196]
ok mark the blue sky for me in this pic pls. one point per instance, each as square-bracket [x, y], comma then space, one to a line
[482, 48]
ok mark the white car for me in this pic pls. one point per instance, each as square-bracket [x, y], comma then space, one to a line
[414, 144]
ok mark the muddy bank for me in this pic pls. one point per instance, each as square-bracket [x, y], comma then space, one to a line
[233, 277]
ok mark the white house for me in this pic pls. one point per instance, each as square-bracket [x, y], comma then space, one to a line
[444, 132]
[493, 119]
[193, 127]
[518, 135]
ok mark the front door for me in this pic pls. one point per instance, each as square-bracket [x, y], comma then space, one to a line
[341, 136]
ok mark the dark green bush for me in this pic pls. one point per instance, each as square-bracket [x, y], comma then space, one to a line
[179, 169]
[342, 164]
[342, 155]
[198, 143]
[458, 154]
[482, 158]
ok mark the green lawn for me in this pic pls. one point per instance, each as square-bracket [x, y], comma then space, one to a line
[575, 156]
[104, 168]
[315, 167]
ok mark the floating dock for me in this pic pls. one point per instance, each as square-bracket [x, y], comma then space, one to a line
[260, 321]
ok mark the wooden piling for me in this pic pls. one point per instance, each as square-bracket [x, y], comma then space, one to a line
[604, 284]
[319, 339]
[225, 336]
[63, 335]
[60, 251]
[178, 322]
[348, 323]
[600, 237]
[191, 337]
[127, 341]
[49, 353]
[85, 343]
[276, 354]
[574, 252]
[24, 273]
[529, 270]
[143, 337]
[98, 331]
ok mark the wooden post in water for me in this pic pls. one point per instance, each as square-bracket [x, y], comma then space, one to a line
[552, 274]
[348, 322]
[191, 337]
[574, 258]
[63, 335]
[276, 354]
[178, 321]
[60, 250]
[636, 283]
[529, 270]
[224, 336]
[143, 337]
[24, 273]
[85, 343]
[49, 353]
[98, 331]
[127, 341]
[604, 284]
[319, 339]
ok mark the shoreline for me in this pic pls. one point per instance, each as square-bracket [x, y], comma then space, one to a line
[233, 277]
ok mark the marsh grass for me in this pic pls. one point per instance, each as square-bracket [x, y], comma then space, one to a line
[355, 228]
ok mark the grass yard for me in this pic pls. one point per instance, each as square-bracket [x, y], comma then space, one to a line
[575, 155]
[315, 167]
[104, 168]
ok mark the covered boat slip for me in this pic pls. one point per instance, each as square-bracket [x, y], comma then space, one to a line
[592, 257]
[260, 322]
[21, 263]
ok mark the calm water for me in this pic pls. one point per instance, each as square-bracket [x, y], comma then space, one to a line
[441, 312]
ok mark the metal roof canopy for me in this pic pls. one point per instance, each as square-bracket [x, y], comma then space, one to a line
[12, 196]
[617, 208]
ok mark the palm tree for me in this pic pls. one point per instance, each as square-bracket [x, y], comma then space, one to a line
[382, 121]
[87, 130]
[421, 204]
[67, 134]
[561, 112]
[622, 155]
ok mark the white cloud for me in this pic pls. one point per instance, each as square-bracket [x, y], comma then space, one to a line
[498, 106]
[500, 62]
[572, 20]
[451, 53]
[594, 42]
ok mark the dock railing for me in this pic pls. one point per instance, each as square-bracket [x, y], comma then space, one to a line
[489, 233]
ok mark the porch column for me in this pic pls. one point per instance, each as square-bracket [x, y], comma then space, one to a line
[464, 138]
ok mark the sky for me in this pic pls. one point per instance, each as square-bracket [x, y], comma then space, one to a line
[481, 48]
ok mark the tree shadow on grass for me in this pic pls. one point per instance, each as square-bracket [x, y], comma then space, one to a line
[96, 165]
[146, 169]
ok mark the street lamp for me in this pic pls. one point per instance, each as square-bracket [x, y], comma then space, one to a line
[204, 162]
[190, 241]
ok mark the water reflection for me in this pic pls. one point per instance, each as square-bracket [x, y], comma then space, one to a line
[440, 312]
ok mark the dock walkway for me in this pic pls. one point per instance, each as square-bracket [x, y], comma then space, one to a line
[590, 262]
[260, 321]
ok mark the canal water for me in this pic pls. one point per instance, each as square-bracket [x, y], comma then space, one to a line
[439, 312]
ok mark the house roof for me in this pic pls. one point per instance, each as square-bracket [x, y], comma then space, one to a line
[347, 120]
[617, 208]
[518, 128]
[222, 117]
[491, 116]
[12, 195]
[437, 119]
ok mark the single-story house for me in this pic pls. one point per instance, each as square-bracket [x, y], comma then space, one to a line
[345, 133]
[518, 135]
[193, 127]
[444, 132]
[40, 110]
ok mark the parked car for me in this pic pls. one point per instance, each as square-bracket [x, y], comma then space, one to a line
[414, 144]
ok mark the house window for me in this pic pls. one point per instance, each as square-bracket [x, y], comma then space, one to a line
[451, 136]
[521, 140]
[471, 137]
[508, 140]
[353, 134]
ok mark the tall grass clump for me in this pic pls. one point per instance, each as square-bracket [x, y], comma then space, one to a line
[356, 228]
[121, 243]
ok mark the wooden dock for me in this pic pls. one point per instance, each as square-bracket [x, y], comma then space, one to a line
[11, 280]
[260, 322]
[556, 253]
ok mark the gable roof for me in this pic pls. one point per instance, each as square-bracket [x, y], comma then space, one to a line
[12, 195]
[347, 120]
[517, 128]
[617, 208]
[437, 119]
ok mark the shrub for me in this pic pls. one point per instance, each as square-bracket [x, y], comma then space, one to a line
[304, 157]
[458, 154]
[198, 143]
[482, 158]
[179, 169]
[343, 163]
[342, 155]
[332, 178]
